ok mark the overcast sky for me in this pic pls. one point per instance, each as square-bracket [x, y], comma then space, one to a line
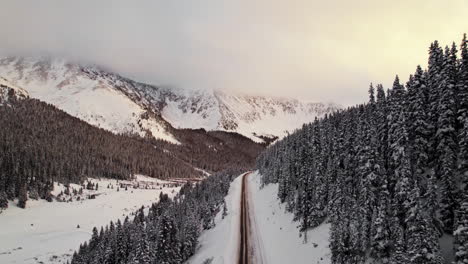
[317, 50]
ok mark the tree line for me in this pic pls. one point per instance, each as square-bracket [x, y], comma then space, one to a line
[390, 175]
[167, 234]
[40, 144]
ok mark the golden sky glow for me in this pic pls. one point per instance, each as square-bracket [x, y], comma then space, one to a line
[318, 50]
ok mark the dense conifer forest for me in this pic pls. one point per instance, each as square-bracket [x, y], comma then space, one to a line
[391, 175]
[40, 144]
[167, 234]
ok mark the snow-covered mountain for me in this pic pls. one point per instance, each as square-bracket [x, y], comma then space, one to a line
[83, 92]
[121, 105]
[8, 90]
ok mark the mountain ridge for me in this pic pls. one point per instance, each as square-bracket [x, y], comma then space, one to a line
[122, 105]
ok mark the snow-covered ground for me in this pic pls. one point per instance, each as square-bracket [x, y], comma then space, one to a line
[220, 243]
[278, 233]
[274, 235]
[48, 232]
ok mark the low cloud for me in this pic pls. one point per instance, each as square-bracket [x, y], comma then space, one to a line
[300, 48]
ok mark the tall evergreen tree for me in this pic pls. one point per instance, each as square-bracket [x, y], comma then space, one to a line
[463, 111]
[447, 139]
[461, 234]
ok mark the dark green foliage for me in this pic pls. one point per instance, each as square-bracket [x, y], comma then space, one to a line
[168, 234]
[40, 144]
[461, 234]
[388, 175]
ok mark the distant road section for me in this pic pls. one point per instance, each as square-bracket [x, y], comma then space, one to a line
[244, 225]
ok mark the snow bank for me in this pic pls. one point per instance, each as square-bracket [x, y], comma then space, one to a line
[220, 244]
[48, 232]
[277, 232]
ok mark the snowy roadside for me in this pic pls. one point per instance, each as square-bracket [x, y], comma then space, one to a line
[48, 232]
[220, 244]
[278, 234]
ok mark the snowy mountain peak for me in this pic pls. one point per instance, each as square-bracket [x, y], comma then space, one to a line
[121, 105]
[9, 90]
[84, 92]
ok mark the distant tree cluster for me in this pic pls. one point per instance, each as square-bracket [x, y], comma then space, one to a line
[167, 234]
[391, 176]
[215, 151]
[40, 144]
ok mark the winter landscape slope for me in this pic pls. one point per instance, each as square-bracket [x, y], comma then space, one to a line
[121, 105]
[276, 234]
[82, 93]
[51, 232]
[8, 90]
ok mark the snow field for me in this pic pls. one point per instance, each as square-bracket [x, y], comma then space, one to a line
[278, 233]
[48, 232]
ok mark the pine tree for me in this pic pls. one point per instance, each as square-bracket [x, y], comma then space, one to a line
[418, 126]
[380, 242]
[461, 234]
[94, 239]
[435, 65]
[447, 139]
[371, 94]
[400, 254]
[3, 200]
[463, 111]
[422, 240]
[167, 250]
[22, 197]
[141, 253]
[225, 210]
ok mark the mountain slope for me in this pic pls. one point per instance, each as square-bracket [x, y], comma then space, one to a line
[8, 90]
[79, 92]
[252, 116]
[121, 105]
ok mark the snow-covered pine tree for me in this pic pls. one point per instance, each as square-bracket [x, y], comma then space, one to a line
[434, 73]
[380, 243]
[447, 138]
[141, 254]
[417, 122]
[422, 239]
[463, 111]
[461, 233]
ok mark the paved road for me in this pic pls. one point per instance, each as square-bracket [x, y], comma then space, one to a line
[244, 257]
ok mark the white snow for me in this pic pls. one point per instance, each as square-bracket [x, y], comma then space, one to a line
[6, 83]
[92, 100]
[279, 234]
[251, 116]
[220, 244]
[44, 230]
[5, 86]
[275, 238]
[104, 100]
[192, 109]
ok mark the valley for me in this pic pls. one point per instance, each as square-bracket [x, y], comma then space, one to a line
[50, 232]
[233, 132]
